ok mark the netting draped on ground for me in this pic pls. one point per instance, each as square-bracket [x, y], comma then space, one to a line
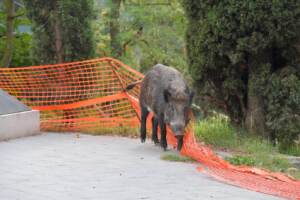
[90, 95]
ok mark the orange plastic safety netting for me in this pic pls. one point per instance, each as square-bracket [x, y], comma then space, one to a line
[75, 96]
[90, 94]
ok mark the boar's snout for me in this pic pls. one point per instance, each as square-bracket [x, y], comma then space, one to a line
[177, 128]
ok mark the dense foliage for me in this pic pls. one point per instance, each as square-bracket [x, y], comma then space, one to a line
[149, 33]
[61, 30]
[282, 100]
[21, 55]
[236, 49]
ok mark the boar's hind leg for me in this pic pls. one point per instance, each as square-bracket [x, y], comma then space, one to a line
[144, 113]
[163, 133]
[154, 130]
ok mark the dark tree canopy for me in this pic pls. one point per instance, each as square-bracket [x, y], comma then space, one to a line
[62, 30]
[236, 48]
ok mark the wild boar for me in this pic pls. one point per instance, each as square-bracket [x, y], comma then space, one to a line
[165, 93]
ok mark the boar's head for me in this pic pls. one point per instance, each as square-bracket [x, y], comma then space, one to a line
[178, 106]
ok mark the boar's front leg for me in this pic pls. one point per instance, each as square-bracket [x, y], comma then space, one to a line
[144, 114]
[154, 130]
[163, 133]
[179, 142]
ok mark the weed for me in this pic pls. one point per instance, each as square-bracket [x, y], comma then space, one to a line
[241, 160]
[217, 131]
[120, 131]
[176, 158]
[293, 150]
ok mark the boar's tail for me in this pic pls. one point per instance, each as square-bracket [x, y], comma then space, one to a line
[132, 85]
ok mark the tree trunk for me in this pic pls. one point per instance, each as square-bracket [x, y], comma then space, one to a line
[116, 48]
[255, 116]
[58, 36]
[255, 119]
[10, 10]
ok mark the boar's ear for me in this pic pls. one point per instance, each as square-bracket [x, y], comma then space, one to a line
[191, 97]
[166, 95]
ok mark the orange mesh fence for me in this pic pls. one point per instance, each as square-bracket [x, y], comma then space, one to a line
[90, 94]
[75, 96]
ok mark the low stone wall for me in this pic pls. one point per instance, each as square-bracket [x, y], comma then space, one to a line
[19, 124]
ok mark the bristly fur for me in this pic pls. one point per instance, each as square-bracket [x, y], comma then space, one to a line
[165, 93]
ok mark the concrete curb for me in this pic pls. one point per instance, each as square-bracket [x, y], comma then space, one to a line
[19, 124]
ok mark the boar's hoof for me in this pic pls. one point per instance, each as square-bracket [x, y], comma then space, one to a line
[155, 140]
[143, 137]
[164, 145]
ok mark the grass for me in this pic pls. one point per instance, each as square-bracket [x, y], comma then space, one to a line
[241, 160]
[216, 131]
[119, 131]
[246, 149]
[176, 158]
[123, 131]
[293, 150]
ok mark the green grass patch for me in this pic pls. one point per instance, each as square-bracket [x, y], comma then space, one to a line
[272, 162]
[119, 131]
[241, 160]
[293, 150]
[124, 131]
[176, 158]
[217, 131]
[294, 173]
[247, 149]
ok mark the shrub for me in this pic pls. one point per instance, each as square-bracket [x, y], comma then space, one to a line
[235, 51]
[283, 106]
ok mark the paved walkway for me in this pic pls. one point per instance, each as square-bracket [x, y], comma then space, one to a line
[62, 167]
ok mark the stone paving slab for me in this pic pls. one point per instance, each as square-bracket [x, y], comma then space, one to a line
[56, 166]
